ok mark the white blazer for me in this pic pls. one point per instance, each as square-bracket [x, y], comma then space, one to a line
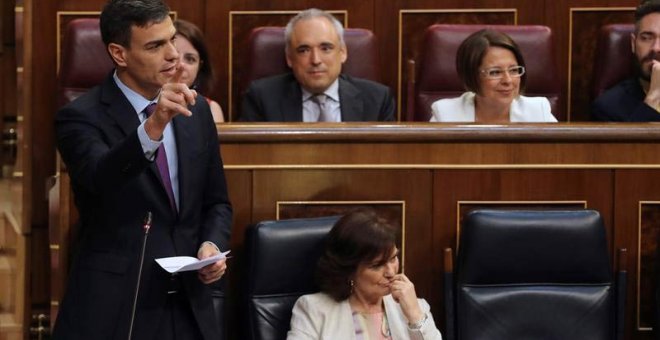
[319, 317]
[523, 110]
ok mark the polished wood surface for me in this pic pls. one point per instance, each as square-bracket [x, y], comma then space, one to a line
[442, 171]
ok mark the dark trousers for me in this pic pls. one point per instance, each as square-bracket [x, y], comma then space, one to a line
[178, 321]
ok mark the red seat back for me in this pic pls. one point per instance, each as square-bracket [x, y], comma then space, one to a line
[85, 61]
[613, 60]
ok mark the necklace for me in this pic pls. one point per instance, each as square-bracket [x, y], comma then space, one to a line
[385, 327]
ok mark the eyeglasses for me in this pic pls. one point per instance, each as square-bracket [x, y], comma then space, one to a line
[498, 73]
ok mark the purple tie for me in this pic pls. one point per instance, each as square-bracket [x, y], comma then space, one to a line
[161, 162]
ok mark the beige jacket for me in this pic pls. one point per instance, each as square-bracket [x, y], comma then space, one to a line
[319, 317]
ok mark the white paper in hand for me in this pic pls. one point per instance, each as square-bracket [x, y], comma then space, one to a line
[178, 264]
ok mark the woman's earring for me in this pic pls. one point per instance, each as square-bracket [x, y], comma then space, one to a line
[352, 285]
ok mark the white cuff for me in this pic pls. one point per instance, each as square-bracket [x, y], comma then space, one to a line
[208, 242]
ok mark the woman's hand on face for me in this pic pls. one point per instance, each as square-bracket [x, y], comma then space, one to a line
[403, 291]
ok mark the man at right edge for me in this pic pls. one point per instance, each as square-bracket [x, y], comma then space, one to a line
[637, 99]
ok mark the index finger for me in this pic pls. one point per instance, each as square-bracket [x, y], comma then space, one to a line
[401, 277]
[177, 75]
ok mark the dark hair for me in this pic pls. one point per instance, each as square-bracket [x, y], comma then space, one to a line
[188, 30]
[119, 16]
[358, 237]
[645, 8]
[471, 53]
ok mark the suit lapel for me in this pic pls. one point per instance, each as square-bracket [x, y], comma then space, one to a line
[122, 112]
[119, 108]
[352, 106]
[183, 127]
[291, 103]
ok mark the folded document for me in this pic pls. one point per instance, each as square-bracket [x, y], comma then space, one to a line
[178, 264]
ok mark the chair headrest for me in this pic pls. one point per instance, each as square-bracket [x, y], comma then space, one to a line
[614, 59]
[544, 246]
[85, 61]
[283, 254]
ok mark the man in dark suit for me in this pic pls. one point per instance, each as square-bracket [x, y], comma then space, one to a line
[637, 99]
[139, 143]
[315, 90]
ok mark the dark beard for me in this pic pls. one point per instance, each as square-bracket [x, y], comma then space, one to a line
[639, 68]
[639, 71]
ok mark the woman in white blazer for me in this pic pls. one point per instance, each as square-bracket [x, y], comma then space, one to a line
[363, 296]
[493, 71]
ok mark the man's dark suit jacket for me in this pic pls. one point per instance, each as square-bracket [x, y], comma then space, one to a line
[624, 103]
[279, 99]
[114, 187]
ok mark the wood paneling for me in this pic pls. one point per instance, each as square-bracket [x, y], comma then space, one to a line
[562, 165]
[635, 225]
[430, 176]
[649, 233]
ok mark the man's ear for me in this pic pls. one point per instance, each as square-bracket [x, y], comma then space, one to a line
[288, 59]
[117, 53]
[344, 53]
[632, 42]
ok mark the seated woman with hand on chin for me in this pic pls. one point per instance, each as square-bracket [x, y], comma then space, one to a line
[363, 296]
[492, 69]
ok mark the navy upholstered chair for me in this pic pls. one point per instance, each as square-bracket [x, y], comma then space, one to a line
[281, 262]
[539, 274]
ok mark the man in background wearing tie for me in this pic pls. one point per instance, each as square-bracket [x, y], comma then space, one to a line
[316, 90]
[141, 142]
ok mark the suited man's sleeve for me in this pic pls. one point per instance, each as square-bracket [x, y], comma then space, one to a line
[252, 108]
[387, 110]
[94, 165]
[216, 210]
